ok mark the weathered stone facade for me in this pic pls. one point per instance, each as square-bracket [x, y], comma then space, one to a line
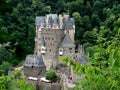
[50, 86]
[54, 38]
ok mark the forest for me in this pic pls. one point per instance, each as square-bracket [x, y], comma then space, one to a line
[97, 25]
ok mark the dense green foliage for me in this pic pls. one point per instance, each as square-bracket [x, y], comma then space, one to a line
[103, 70]
[52, 76]
[97, 21]
[97, 28]
[15, 82]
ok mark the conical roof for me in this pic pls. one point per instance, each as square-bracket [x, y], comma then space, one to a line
[83, 59]
[67, 42]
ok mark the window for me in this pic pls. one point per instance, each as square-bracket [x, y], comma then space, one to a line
[49, 38]
[32, 66]
[43, 49]
[70, 48]
[61, 50]
[52, 38]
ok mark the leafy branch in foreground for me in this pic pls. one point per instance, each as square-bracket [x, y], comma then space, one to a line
[103, 71]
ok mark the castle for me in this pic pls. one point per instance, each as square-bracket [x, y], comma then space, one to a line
[54, 38]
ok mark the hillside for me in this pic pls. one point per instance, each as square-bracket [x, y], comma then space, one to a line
[97, 29]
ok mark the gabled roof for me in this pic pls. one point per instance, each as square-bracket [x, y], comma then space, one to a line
[67, 42]
[53, 19]
[69, 24]
[40, 20]
[36, 61]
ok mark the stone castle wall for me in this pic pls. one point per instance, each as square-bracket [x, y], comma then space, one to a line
[52, 40]
[35, 71]
[49, 86]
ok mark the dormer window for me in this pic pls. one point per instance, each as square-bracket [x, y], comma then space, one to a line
[60, 51]
[48, 26]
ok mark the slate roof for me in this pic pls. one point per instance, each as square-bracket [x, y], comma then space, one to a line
[36, 61]
[68, 22]
[65, 18]
[83, 59]
[40, 20]
[53, 19]
[67, 42]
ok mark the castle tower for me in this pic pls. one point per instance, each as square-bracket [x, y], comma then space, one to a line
[67, 46]
[50, 31]
[69, 26]
[39, 23]
[48, 37]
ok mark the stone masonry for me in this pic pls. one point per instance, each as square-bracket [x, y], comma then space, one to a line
[54, 38]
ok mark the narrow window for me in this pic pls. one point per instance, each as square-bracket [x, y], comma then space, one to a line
[52, 38]
[49, 38]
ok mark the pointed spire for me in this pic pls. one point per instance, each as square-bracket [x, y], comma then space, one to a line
[83, 59]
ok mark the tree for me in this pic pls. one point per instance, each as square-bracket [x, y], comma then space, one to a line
[13, 83]
[52, 76]
[5, 55]
[4, 67]
[60, 6]
[103, 70]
